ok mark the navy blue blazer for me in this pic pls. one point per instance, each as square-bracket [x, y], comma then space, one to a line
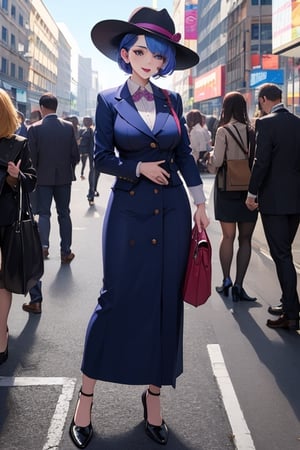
[54, 150]
[120, 127]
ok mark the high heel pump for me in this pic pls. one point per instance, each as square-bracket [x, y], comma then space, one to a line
[239, 294]
[4, 355]
[159, 433]
[224, 289]
[81, 436]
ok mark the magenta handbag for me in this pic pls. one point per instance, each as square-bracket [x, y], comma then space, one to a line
[197, 284]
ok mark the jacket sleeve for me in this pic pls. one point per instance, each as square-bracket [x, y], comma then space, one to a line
[106, 159]
[27, 171]
[263, 156]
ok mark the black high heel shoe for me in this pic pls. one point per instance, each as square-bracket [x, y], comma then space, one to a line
[81, 436]
[239, 294]
[224, 289]
[159, 433]
[4, 355]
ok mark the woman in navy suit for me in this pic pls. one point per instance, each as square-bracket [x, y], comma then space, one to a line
[135, 333]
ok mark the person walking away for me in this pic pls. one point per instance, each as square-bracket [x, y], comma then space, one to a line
[86, 147]
[21, 127]
[135, 333]
[16, 168]
[275, 189]
[230, 208]
[55, 154]
[199, 137]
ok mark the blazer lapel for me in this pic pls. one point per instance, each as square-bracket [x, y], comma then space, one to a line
[162, 109]
[126, 108]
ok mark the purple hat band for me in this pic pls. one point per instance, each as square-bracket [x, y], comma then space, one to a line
[151, 27]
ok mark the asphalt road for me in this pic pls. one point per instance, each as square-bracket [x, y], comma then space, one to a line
[240, 387]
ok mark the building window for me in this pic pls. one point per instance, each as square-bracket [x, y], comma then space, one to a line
[261, 2]
[20, 74]
[13, 11]
[5, 5]
[21, 20]
[4, 34]
[13, 41]
[13, 70]
[265, 32]
[3, 68]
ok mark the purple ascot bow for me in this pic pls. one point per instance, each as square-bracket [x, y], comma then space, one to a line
[142, 93]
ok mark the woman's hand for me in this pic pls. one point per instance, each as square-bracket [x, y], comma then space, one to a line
[154, 172]
[13, 171]
[200, 217]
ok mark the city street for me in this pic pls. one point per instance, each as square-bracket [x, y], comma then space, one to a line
[240, 387]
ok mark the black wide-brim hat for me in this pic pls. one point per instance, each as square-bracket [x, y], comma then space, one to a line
[107, 34]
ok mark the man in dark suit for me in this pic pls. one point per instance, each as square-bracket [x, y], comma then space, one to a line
[54, 153]
[275, 188]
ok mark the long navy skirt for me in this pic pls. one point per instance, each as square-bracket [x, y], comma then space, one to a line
[135, 333]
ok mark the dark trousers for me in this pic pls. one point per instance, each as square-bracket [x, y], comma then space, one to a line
[62, 197]
[36, 292]
[93, 179]
[280, 231]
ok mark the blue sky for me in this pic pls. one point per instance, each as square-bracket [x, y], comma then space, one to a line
[81, 17]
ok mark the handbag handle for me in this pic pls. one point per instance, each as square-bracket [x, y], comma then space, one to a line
[236, 139]
[23, 195]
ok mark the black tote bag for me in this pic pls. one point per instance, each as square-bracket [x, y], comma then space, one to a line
[22, 253]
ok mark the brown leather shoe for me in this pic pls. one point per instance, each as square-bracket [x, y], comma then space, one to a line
[45, 252]
[35, 308]
[66, 259]
[284, 322]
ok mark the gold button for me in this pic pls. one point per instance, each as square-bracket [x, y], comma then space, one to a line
[153, 145]
[154, 241]
[171, 160]
[156, 191]
[132, 242]
[131, 193]
[156, 211]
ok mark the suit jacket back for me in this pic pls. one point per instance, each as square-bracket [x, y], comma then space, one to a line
[54, 150]
[276, 172]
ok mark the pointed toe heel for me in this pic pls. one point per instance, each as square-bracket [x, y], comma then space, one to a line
[81, 436]
[4, 355]
[239, 294]
[224, 289]
[158, 433]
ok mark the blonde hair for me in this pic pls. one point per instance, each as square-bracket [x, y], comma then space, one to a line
[8, 115]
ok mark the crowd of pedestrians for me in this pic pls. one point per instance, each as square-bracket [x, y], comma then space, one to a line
[146, 348]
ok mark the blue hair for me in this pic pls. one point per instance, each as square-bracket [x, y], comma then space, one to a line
[156, 46]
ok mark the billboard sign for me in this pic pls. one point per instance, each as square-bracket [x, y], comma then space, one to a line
[286, 27]
[259, 77]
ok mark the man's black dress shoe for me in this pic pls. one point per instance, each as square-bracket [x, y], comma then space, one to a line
[275, 310]
[284, 322]
[159, 433]
[35, 308]
[81, 436]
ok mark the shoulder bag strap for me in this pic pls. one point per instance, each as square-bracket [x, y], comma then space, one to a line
[173, 112]
[239, 142]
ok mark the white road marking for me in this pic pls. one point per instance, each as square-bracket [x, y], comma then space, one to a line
[241, 433]
[58, 420]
